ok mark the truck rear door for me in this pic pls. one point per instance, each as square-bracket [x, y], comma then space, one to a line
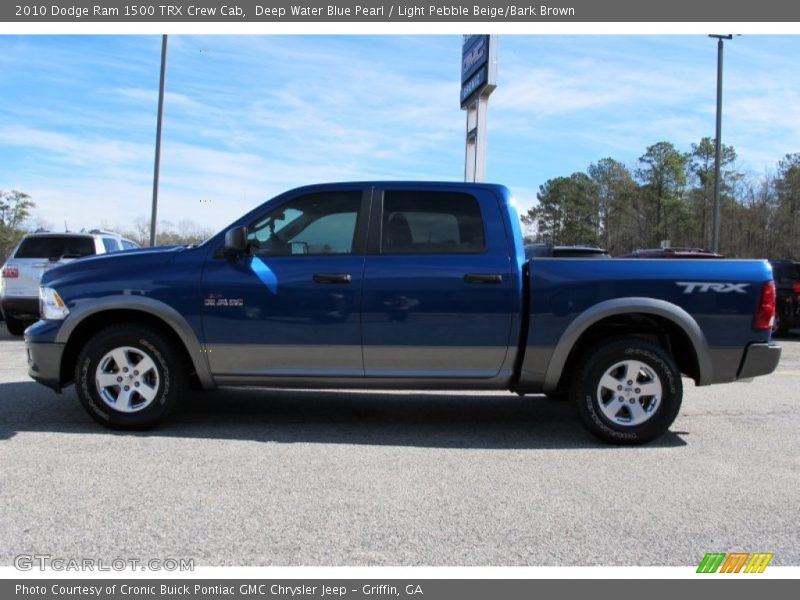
[440, 292]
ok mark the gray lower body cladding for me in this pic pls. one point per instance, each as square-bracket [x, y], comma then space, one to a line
[44, 364]
[759, 359]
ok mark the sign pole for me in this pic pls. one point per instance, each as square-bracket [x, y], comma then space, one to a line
[475, 166]
[478, 81]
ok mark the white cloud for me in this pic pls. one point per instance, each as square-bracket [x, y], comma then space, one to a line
[74, 150]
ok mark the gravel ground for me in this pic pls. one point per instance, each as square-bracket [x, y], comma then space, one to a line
[264, 477]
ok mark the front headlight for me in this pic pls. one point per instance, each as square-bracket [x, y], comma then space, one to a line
[51, 306]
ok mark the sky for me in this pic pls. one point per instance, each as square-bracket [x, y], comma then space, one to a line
[247, 117]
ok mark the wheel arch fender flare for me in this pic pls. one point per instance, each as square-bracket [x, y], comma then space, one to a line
[165, 313]
[619, 306]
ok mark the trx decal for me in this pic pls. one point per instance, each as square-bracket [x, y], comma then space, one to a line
[711, 286]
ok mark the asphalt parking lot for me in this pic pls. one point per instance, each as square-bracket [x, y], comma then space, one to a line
[263, 477]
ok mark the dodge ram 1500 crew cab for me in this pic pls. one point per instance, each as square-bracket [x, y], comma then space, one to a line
[403, 286]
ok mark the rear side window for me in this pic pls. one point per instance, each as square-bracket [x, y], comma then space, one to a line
[110, 244]
[431, 223]
[55, 247]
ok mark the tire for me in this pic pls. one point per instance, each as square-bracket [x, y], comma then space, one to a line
[17, 326]
[626, 413]
[109, 361]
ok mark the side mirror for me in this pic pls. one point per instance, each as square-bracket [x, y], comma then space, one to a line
[236, 241]
[299, 248]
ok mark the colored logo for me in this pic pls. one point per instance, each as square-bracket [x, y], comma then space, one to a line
[735, 562]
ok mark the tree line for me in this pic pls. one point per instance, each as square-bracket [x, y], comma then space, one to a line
[668, 196]
[183, 232]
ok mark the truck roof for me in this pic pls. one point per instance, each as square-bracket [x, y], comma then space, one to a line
[403, 184]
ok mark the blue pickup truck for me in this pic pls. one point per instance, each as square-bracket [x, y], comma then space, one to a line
[402, 286]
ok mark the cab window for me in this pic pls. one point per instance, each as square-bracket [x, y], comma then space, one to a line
[431, 223]
[314, 224]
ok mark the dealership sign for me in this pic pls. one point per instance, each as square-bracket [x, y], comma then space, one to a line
[478, 67]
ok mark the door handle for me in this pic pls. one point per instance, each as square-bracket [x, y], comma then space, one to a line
[483, 278]
[332, 278]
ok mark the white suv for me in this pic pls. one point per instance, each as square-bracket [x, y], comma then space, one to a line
[35, 254]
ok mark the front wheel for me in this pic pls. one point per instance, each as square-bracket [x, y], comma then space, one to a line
[627, 391]
[129, 377]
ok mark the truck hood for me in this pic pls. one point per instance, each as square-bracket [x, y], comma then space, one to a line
[122, 261]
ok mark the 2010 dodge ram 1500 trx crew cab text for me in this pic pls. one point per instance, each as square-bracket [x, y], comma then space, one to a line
[402, 286]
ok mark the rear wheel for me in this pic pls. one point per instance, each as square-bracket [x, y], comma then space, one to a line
[129, 377]
[17, 326]
[627, 391]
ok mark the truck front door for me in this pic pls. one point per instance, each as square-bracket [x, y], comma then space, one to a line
[292, 305]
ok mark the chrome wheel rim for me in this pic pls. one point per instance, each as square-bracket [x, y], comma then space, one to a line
[629, 393]
[127, 379]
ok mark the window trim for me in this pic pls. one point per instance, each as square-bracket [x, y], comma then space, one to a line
[376, 224]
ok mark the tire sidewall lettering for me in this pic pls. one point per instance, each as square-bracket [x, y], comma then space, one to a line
[152, 344]
[602, 357]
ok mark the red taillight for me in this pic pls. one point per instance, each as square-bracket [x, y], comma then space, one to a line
[10, 272]
[765, 315]
[796, 288]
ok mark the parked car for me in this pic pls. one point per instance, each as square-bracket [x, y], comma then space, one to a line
[574, 251]
[787, 285]
[672, 253]
[36, 254]
[405, 286]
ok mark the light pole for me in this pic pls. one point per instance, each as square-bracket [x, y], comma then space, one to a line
[718, 141]
[156, 167]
